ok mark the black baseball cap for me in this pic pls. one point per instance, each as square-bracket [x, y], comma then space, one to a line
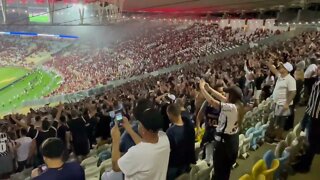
[235, 91]
[151, 120]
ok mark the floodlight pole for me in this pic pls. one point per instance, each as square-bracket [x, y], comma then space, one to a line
[4, 10]
[100, 6]
[51, 10]
[81, 12]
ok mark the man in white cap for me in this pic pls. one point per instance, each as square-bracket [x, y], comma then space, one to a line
[283, 95]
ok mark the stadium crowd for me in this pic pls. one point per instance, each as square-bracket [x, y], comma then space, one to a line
[155, 139]
[15, 50]
[85, 67]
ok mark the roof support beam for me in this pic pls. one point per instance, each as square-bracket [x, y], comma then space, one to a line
[4, 10]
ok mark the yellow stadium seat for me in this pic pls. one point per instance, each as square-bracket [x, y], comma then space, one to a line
[269, 173]
[246, 177]
[258, 168]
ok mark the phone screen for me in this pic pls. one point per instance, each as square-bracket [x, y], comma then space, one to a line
[119, 118]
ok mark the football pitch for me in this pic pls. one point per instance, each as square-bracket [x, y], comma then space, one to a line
[18, 85]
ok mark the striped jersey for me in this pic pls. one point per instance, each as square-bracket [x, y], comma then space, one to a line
[313, 107]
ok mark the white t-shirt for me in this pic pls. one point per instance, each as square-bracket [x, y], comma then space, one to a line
[24, 148]
[228, 119]
[282, 87]
[310, 70]
[146, 161]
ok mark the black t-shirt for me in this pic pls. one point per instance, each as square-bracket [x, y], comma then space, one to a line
[78, 129]
[258, 82]
[61, 132]
[242, 82]
[32, 132]
[71, 170]
[182, 145]
[103, 127]
[166, 121]
[53, 131]
[43, 135]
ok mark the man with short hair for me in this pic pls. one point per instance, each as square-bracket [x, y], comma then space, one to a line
[181, 137]
[55, 168]
[149, 158]
[309, 78]
[78, 131]
[283, 95]
[23, 149]
[44, 134]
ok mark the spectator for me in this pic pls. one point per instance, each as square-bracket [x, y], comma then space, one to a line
[23, 149]
[259, 78]
[63, 132]
[211, 117]
[311, 122]
[226, 138]
[80, 141]
[181, 137]
[55, 168]
[283, 95]
[153, 146]
[126, 141]
[6, 153]
[44, 134]
[309, 78]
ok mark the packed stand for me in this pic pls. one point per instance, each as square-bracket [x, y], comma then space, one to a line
[135, 116]
[86, 67]
[15, 50]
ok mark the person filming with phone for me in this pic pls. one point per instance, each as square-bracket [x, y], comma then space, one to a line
[152, 146]
[53, 150]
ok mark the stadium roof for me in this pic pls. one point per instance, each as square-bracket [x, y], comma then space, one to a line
[187, 6]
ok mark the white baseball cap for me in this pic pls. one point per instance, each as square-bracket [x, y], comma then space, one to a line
[288, 66]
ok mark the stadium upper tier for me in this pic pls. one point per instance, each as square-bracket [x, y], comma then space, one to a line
[85, 66]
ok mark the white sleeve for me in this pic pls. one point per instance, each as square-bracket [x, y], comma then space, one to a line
[129, 162]
[227, 107]
[292, 85]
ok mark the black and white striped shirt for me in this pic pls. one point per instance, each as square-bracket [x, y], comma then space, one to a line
[313, 107]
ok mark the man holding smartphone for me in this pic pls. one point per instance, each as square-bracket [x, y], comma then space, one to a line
[53, 150]
[152, 146]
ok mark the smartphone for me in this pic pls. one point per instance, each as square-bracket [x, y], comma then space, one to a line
[42, 168]
[119, 118]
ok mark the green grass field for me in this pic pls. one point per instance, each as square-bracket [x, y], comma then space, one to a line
[10, 74]
[35, 85]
